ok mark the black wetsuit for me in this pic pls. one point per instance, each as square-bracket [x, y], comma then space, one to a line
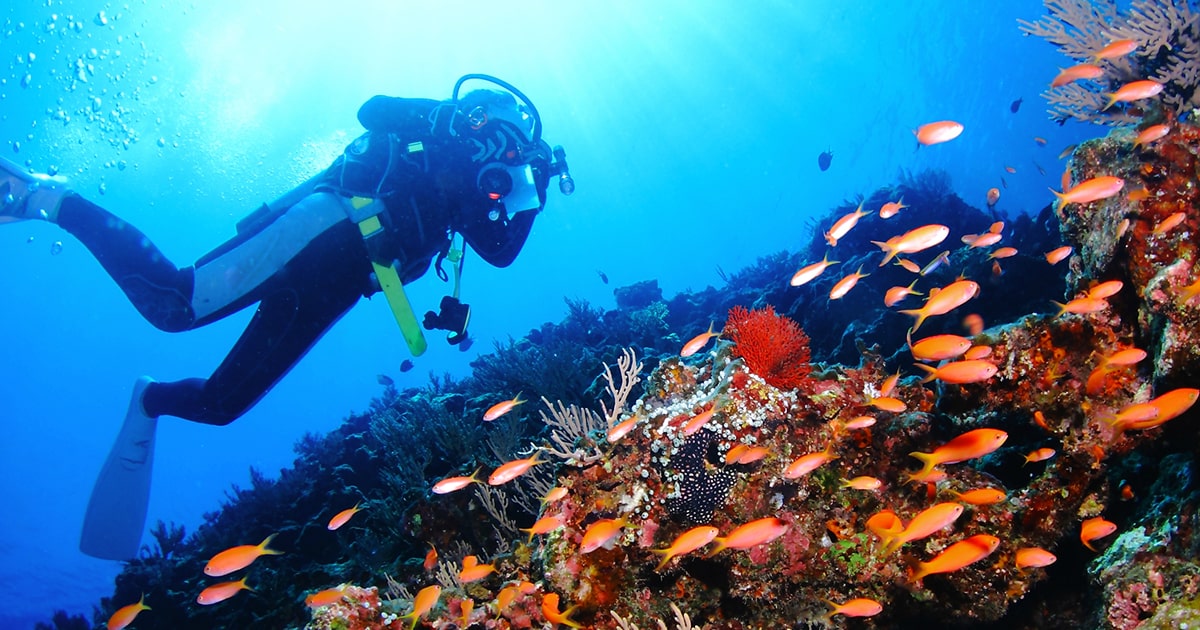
[317, 267]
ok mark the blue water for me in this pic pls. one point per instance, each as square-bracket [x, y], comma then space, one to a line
[692, 130]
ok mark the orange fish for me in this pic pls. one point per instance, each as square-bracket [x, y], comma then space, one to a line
[887, 403]
[466, 605]
[808, 463]
[511, 470]
[698, 422]
[842, 226]
[454, 484]
[938, 347]
[960, 372]
[621, 429]
[947, 299]
[341, 518]
[957, 556]
[325, 597]
[929, 522]
[1168, 223]
[890, 208]
[1081, 306]
[747, 454]
[1058, 255]
[126, 614]
[1122, 227]
[505, 597]
[1169, 406]
[810, 272]
[237, 558]
[554, 494]
[993, 196]
[975, 241]
[913, 241]
[996, 228]
[1094, 189]
[977, 352]
[1118, 48]
[423, 603]
[860, 422]
[544, 525]
[472, 571]
[844, 285]
[1138, 194]
[1186, 294]
[862, 482]
[1151, 134]
[1010, 169]
[602, 533]
[1094, 528]
[1039, 455]
[687, 542]
[858, 607]
[1004, 252]
[1041, 142]
[696, 343]
[1105, 289]
[1034, 557]
[431, 557]
[973, 324]
[996, 269]
[895, 294]
[501, 408]
[969, 445]
[1075, 73]
[1134, 91]
[908, 265]
[752, 534]
[221, 592]
[980, 496]
[889, 384]
[937, 132]
[551, 613]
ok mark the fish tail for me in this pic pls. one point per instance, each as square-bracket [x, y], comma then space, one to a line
[267, 551]
[931, 373]
[667, 556]
[888, 250]
[718, 549]
[928, 462]
[1062, 308]
[919, 313]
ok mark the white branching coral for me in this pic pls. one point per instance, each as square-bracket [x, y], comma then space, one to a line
[1168, 37]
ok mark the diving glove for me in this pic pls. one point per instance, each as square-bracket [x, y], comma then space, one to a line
[25, 195]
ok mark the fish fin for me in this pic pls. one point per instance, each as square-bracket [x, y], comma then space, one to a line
[931, 373]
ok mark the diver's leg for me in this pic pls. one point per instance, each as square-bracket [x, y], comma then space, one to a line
[158, 289]
[298, 306]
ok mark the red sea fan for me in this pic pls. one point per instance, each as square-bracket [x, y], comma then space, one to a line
[773, 346]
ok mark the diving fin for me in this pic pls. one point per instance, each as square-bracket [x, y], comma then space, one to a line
[116, 512]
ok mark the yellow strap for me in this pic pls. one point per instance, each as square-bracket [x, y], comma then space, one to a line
[392, 287]
[393, 290]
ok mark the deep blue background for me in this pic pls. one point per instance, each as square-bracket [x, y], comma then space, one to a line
[692, 129]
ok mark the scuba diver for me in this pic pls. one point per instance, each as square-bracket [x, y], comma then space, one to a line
[425, 173]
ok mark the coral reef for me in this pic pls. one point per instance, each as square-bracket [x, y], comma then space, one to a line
[755, 483]
[1168, 36]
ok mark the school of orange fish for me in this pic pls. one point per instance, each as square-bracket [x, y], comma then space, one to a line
[946, 358]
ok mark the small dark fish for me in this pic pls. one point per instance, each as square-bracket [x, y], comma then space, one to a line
[603, 277]
[1015, 105]
[385, 380]
[406, 365]
[825, 159]
[1003, 183]
[30, 240]
[1067, 151]
[1040, 170]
